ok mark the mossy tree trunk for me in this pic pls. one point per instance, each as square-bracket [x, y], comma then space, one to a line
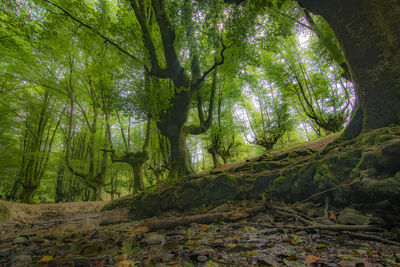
[171, 122]
[369, 34]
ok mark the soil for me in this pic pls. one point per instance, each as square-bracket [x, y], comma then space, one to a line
[78, 234]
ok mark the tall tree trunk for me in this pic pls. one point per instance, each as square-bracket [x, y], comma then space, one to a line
[180, 162]
[171, 124]
[28, 193]
[60, 195]
[369, 33]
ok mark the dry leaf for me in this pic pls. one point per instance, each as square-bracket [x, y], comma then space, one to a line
[46, 259]
[204, 226]
[139, 229]
[122, 257]
[312, 259]
[125, 264]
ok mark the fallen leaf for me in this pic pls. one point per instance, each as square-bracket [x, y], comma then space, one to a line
[125, 264]
[122, 257]
[204, 226]
[293, 257]
[312, 259]
[290, 241]
[139, 229]
[46, 259]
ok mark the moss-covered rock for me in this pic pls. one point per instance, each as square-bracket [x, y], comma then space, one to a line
[352, 216]
[223, 188]
[267, 165]
[263, 183]
[281, 185]
[189, 196]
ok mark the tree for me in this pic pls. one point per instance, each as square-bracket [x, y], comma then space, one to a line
[367, 32]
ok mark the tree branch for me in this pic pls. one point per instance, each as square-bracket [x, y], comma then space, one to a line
[105, 38]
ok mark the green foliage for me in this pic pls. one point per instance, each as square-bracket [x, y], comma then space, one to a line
[278, 83]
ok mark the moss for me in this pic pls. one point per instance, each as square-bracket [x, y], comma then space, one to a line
[5, 213]
[379, 136]
[263, 183]
[281, 185]
[267, 165]
[245, 167]
[224, 187]
[189, 196]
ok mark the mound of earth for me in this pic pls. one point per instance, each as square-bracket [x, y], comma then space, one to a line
[363, 173]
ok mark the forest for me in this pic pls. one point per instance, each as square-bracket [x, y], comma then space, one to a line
[195, 114]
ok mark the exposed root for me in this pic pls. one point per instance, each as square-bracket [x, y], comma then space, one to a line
[206, 218]
[373, 237]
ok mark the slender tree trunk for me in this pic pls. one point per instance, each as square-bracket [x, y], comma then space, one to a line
[369, 33]
[60, 195]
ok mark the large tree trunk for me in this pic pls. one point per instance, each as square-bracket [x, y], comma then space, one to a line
[369, 33]
[28, 193]
[171, 124]
[180, 162]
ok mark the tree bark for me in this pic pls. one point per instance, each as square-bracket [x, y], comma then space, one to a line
[369, 34]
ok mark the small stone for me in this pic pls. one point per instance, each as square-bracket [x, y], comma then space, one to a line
[20, 240]
[168, 257]
[352, 216]
[6, 252]
[202, 258]
[154, 239]
[267, 261]
[21, 260]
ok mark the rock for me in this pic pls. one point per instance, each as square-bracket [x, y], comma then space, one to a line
[202, 253]
[267, 261]
[305, 207]
[92, 249]
[21, 260]
[202, 258]
[397, 255]
[6, 252]
[168, 257]
[154, 239]
[20, 240]
[352, 216]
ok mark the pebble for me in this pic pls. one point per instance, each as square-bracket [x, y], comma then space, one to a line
[154, 238]
[21, 260]
[202, 258]
[20, 240]
[6, 252]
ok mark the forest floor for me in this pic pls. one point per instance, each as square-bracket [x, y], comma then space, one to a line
[236, 233]
[88, 237]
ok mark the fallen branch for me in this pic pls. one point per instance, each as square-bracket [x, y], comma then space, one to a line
[299, 216]
[155, 224]
[321, 193]
[373, 237]
[334, 227]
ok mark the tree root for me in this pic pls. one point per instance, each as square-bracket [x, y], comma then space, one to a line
[334, 227]
[373, 238]
[206, 218]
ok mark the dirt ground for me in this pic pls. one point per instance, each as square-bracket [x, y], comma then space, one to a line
[77, 234]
